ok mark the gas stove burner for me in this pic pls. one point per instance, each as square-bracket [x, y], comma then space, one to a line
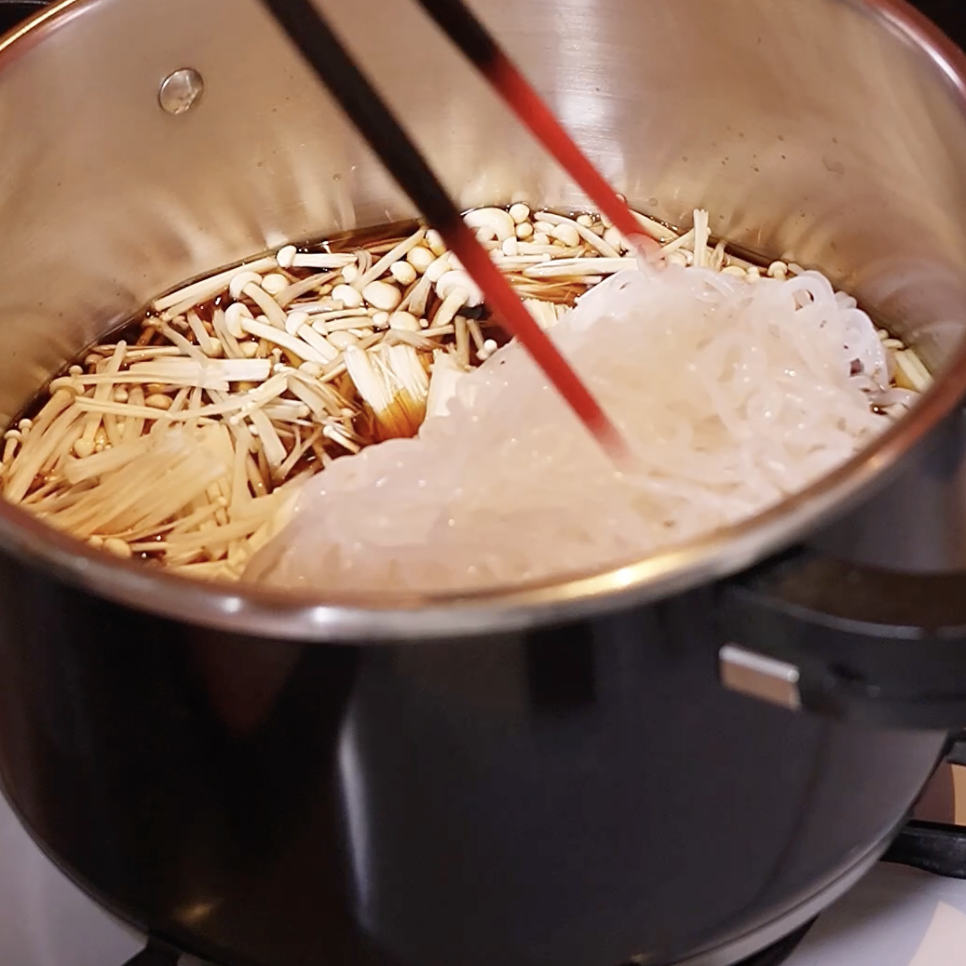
[780, 951]
[156, 953]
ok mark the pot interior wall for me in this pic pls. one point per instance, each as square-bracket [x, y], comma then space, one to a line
[806, 130]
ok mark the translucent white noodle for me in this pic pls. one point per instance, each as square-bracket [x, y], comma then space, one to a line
[733, 395]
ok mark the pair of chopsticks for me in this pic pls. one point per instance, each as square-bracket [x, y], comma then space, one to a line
[311, 34]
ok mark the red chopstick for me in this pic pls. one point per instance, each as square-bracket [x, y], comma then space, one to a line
[311, 34]
[480, 48]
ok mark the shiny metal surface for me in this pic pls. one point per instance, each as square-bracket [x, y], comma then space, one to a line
[828, 130]
[917, 524]
[765, 678]
[181, 90]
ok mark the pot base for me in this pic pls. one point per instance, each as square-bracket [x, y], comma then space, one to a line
[159, 954]
[770, 945]
[777, 954]
[773, 955]
[774, 942]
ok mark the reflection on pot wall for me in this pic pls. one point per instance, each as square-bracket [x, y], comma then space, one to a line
[861, 178]
[917, 523]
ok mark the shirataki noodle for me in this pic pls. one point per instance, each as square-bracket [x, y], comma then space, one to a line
[732, 394]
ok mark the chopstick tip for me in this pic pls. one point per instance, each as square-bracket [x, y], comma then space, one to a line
[612, 441]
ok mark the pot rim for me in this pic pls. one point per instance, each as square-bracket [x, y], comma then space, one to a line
[249, 609]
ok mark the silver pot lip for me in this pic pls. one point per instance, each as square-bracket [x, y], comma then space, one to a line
[378, 618]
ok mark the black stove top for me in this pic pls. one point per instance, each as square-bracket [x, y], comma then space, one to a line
[774, 955]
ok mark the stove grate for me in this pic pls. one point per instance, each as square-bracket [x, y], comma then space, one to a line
[156, 953]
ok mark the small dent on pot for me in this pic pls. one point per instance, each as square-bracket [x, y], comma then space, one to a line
[832, 165]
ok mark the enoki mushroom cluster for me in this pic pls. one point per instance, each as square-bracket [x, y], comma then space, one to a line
[188, 441]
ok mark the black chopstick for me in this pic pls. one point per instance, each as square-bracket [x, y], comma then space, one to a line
[365, 109]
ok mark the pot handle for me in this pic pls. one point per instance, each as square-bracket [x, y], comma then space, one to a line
[847, 641]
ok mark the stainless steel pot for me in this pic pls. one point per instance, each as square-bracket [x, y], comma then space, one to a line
[832, 131]
[550, 774]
